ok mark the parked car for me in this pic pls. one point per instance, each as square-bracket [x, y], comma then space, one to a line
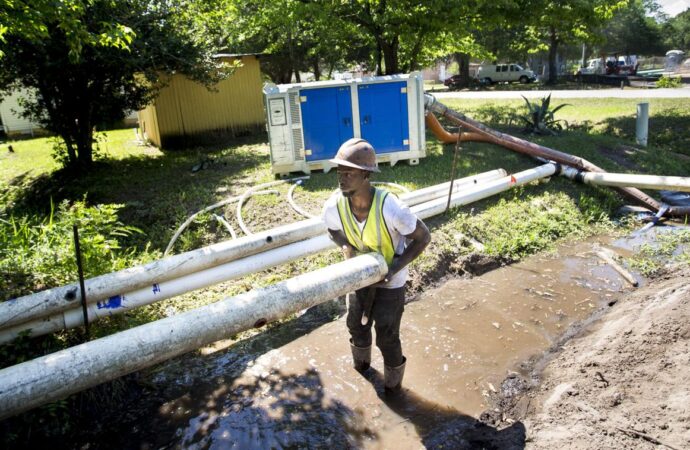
[494, 73]
[456, 82]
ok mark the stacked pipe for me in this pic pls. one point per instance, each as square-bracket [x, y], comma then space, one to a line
[56, 309]
[30, 384]
[487, 134]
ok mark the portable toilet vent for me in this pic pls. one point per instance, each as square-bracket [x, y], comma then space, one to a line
[307, 122]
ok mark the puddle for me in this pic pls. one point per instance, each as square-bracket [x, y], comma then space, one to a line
[294, 387]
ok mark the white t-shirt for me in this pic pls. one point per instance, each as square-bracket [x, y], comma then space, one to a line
[400, 220]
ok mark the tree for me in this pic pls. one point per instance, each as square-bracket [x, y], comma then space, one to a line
[407, 34]
[295, 36]
[90, 61]
[632, 32]
[554, 23]
[677, 32]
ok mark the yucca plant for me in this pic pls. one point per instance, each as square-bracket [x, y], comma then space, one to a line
[541, 120]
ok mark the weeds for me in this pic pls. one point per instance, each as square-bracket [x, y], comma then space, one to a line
[671, 247]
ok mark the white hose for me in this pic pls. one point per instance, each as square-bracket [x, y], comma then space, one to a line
[208, 208]
[292, 203]
[250, 191]
[221, 220]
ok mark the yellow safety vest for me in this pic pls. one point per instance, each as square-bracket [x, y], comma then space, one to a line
[375, 236]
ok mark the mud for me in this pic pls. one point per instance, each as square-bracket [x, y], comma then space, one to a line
[293, 386]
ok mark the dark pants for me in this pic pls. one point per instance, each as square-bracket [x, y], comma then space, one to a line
[386, 314]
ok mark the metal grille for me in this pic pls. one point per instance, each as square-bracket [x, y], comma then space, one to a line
[294, 108]
[297, 143]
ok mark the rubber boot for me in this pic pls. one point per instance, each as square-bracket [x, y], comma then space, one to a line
[392, 376]
[361, 357]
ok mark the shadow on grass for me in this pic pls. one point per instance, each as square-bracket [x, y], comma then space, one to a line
[153, 189]
[668, 130]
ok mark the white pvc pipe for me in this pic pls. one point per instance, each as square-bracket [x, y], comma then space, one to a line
[642, 123]
[255, 263]
[483, 191]
[56, 300]
[122, 303]
[62, 298]
[52, 377]
[432, 192]
[638, 181]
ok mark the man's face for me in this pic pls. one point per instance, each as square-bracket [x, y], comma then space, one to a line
[351, 179]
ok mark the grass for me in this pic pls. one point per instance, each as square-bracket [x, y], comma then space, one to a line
[155, 191]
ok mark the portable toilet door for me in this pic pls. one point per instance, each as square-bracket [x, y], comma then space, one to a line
[383, 115]
[327, 119]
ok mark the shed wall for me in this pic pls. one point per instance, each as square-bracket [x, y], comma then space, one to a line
[186, 109]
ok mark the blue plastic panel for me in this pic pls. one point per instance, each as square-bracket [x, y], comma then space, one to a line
[327, 120]
[383, 116]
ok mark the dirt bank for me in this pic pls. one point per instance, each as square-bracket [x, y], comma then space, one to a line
[624, 383]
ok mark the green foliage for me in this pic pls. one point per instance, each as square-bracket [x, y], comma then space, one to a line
[668, 82]
[85, 63]
[676, 31]
[36, 253]
[526, 224]
[540, 119]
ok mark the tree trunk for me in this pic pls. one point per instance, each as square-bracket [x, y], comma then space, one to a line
[414, 57]
[553, 53]
[463, 60]
[85, 142]
[390, 56]
[379, 59]
[317, 68]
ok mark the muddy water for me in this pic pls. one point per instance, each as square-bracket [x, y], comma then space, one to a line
[293, 386]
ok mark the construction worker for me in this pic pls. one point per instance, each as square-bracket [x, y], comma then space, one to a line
[360, 219]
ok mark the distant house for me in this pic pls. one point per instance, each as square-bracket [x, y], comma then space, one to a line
[10, 115]
[186, 111]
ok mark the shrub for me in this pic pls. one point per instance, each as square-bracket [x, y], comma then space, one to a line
[541, 120]
[38, 253]
[668, 82]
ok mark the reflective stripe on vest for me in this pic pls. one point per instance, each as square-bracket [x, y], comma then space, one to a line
[375, 236]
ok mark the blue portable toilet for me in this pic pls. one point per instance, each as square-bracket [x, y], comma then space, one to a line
[307, 122]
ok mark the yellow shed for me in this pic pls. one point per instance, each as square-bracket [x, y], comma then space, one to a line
[186, 111]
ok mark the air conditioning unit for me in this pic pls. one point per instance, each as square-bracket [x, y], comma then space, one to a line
[307, 122]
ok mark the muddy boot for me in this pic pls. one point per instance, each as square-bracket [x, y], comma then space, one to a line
[392, 377]
[361, 357]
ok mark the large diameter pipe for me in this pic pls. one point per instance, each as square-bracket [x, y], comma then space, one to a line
[446, 137]
[113, 287]
[639, 181]
[62, 298]
[532, 149]
[60, 374]
[468, 188]
[122, 303]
